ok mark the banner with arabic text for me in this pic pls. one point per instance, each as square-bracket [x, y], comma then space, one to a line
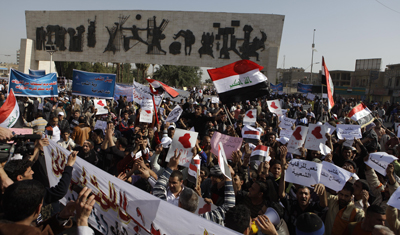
[142, 96]
[120, 207]
[304, 88]
[37, 72]
[277, 87]
[99, 85]
[32, 85]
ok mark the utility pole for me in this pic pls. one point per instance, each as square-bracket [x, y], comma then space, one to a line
[312, 56]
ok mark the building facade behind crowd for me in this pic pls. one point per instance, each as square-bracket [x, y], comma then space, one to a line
[135, 152]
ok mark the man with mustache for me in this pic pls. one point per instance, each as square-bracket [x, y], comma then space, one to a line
[341, 211]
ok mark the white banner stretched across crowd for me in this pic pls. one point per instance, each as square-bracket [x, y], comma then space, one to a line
[121, 207]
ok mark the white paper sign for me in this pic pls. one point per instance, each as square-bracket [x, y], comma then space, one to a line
[325, 96]
[334, 177]
[286, 123]
[303, 172]
[394, 200]
[250, 117]
[348, 143]
[396, 126]
[297, 139]
[348, 131]
[174, 114]
[204, 207]
[329, 128]
[286, 133]
[215, 100]
[100, 125]
[315, 136]
[274, 106]
[183, 141]
[143, 96]
[310, 96]
[324, 149]
[146, 115]
[379, 161]
[99, 104]
[306, 106]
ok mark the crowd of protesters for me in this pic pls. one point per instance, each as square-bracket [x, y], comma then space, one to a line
[359, 208]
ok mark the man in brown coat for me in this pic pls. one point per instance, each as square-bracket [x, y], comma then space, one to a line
[81, 132]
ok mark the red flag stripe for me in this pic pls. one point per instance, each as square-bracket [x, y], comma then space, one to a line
[261, 147]
[8, 106]
[237, 68]
[252, 133]
[193, 167]
[356, 109]
[168, 89]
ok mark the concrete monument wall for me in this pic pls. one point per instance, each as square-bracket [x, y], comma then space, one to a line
[205, 39]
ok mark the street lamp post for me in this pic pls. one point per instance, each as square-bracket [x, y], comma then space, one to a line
[51, 49]
[312, 54]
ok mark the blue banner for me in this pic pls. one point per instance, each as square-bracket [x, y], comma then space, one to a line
[32, 85]
[37, 72]
[304, 88]
[277, 87]
[99, 85]
[123, 90]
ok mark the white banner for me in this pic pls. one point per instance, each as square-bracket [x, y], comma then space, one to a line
[297, 139]
[100, 125]
[142, 96]
[303, 172]
[286, 133]
[394, 200]
[315, 136]
[334, 177]
[329, 128]
[174, 114]
[274, 106]
[121, 207]
[348, 132]
[99, 105]
[379, 161]
[215, 100]
[146, 115]
[183, 141]
[250, 117]
[310, 96]
[286, 123]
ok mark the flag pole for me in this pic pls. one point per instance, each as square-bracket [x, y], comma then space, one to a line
[227, 114]
[155, 108]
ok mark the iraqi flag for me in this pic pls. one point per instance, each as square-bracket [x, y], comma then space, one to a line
[239, 81]
[194, 169]
[361, 114]
[157, 87]
[260, 154]
[9, 112]
[251, 134]
[329, 84]
[222, 162]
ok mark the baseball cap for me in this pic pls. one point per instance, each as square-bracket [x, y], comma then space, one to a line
[61, 113]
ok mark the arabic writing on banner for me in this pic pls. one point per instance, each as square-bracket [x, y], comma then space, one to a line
[277, 87]
[93, 84]
[40, 73]
[182, 95]
[303, 172]
[146, 115]
[123, 90]
[334, 177]
[304, 88]
[33, 86]
[143, 96]
[121, 207]
[286, 123]
[230, 144]
[286, 133]
[174, 115]
[349, 132]
[379, 161]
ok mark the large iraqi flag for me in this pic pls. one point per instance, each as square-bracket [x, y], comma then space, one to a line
[9, 112]
[329, 84]
[239, 81]
[361, 114]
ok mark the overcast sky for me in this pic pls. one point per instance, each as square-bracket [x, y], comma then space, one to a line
[345, 30]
